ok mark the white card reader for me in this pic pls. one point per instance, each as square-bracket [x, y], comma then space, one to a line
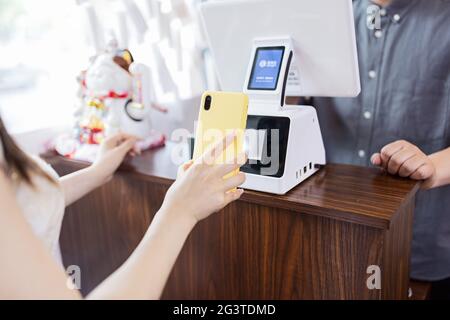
[284, 143]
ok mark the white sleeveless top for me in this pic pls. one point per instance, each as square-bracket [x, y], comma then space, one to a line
[42, 205]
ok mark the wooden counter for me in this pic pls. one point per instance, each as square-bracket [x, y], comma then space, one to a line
[316, 242]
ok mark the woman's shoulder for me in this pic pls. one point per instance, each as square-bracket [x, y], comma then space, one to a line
[44, 166]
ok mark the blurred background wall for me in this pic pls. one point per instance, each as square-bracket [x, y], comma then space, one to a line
[46, 43]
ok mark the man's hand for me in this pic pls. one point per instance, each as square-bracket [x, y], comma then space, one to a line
[406, 160]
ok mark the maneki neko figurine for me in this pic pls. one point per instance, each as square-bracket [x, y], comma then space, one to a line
[115, 95]
[123, 90]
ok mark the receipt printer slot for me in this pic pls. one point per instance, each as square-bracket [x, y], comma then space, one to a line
[269, 158]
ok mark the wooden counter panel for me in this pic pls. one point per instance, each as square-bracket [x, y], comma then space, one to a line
[252, 252]
[247, 251]
[101, 230]
[396, 255]
[315, 242]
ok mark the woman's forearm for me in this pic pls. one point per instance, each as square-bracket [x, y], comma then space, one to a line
[78, 184]
[441, 161]
[145, 273]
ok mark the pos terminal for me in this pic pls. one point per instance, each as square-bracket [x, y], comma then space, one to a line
[286, 44]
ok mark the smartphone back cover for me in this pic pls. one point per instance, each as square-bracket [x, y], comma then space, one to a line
[228, 112]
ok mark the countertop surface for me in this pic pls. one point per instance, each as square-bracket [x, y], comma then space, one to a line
[351, 193]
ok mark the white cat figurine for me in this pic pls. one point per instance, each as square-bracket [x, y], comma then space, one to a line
[125, 89]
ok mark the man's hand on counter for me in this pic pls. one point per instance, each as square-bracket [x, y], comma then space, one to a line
[406, 160]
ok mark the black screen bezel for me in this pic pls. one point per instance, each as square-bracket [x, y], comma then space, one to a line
[282, 48]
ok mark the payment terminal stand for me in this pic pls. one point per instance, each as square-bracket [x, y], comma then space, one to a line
[284, 143]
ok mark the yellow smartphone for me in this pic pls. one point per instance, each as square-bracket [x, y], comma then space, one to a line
[220, 114]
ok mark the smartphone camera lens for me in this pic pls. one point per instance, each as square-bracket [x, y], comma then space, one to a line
[208, 102]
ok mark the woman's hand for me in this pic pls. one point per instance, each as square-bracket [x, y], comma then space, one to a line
[406, 160]
[112, 152]
[201, 189]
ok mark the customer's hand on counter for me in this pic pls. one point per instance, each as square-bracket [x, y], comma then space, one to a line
[112, 152]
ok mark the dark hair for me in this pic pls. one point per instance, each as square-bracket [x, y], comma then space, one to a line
[17, 161]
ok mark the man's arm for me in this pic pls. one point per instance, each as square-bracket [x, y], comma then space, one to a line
[441, 162]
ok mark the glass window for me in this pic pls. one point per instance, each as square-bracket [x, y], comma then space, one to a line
[45, 44]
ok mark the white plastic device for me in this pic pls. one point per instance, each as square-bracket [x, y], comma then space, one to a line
[322, 33]
[305, 152]
[274, 96]
[298, 151]
[311, 48]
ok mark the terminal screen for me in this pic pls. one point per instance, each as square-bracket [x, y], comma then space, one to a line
[266, 68]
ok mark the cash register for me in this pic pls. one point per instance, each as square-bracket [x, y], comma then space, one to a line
[270, 49]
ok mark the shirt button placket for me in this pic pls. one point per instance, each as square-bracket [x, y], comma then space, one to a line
[370, 99]
[367, 121]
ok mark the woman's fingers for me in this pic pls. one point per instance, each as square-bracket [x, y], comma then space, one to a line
[233, 182]
[136, 150]
[117, 139]
[224, 169]
[127, 144]
[233, 195]
[185, 166]
[110, 142]
[217, 149]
